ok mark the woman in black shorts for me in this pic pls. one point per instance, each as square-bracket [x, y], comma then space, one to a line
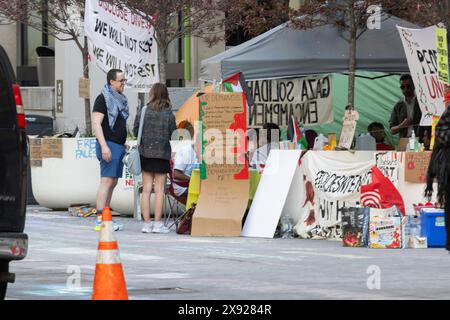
[155, 151]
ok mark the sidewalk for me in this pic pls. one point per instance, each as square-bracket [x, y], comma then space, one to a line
[171, 266]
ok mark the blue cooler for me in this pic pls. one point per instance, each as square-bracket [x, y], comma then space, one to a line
[433, 226]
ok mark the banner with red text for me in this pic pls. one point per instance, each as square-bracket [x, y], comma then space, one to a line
[120, 39]
[421, 53]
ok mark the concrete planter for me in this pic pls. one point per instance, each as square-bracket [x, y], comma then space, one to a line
[74, 178]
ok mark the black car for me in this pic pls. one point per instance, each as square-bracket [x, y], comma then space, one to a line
[14, 154]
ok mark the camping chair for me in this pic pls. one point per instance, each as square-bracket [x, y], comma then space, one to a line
[173, 200]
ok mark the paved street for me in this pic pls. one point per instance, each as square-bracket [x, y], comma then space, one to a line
[177, 267]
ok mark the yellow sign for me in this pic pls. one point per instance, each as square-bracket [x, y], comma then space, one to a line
[442, 55]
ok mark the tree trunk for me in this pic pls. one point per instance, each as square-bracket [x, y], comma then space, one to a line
[162, 57]
[87, 102]
[352, 60]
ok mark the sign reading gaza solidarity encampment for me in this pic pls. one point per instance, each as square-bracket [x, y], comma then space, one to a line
[308, 98]
[421, 53]
[120, 39]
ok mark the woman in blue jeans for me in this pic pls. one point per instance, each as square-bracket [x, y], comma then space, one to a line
[155, 151]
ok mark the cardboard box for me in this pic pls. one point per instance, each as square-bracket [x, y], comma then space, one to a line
[416, 166]
[385, 228]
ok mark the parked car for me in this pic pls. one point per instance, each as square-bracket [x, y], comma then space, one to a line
[14, 155]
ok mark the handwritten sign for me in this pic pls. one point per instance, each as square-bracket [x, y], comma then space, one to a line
[348, 129]
[120, 39]
[442, 55]
[421, 53]
[224, 170]
[52, 148]
[35, 152]
[85, 148]
[389, 164]
[416, 166]
[84, 88]
[309, 99]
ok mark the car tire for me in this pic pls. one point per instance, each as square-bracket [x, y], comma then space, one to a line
[4, 267]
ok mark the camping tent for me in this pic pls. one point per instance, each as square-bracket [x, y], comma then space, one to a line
[285, 52]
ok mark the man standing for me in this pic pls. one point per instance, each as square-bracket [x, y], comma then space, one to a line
[406, 115]
[109, 118]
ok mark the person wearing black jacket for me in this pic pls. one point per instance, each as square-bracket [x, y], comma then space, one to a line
[439, 169]
[155, 153]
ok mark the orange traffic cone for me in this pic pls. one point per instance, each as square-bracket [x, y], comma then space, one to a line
[109, 281]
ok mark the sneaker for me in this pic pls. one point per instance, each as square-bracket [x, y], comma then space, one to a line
[147, 228]
[117, 226]
[159, 227]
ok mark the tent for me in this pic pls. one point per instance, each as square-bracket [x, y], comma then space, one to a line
[287, 52]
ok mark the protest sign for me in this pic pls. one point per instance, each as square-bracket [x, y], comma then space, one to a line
[309, 99]
[389, 164]
[224, 170]
[421, 53]
[332, 181]
[348, 129]
[442, 55]
[120, 39]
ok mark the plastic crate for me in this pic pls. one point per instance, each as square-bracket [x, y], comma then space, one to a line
[433, 226]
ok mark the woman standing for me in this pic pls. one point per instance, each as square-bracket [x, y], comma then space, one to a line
[155, 152]
[439, 169]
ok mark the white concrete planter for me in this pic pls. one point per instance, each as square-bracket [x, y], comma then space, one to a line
[74, 178]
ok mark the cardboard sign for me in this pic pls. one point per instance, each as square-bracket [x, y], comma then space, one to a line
[348, 129]
[416, 166]
[84, 88]
[224, 170]
[35, 152]
[51, 148]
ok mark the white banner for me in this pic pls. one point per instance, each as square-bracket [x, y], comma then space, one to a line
[308, 98]
[332, 180]
[421, 53]
[119, 39]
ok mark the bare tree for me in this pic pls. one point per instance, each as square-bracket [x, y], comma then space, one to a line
[351, 16]
[63, 19]
[257, 16]
[175, 19]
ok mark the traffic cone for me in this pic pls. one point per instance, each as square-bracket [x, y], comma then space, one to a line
[109, 280]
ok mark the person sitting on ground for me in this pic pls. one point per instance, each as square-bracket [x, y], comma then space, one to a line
[261, 154]
[184, 162]
[377, 131]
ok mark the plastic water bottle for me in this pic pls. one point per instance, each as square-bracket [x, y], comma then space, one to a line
[413, 143]
[320, 142]
[286, 228]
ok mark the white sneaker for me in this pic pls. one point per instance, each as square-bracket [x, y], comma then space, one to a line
[117, 226]
[159, 227]
[148, 227]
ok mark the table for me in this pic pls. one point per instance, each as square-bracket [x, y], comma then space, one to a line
[194, 186]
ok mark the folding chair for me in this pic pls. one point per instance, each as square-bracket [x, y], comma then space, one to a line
[174, 201]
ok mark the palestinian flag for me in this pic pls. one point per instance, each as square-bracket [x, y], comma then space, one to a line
[299, 136]
[236, 83]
